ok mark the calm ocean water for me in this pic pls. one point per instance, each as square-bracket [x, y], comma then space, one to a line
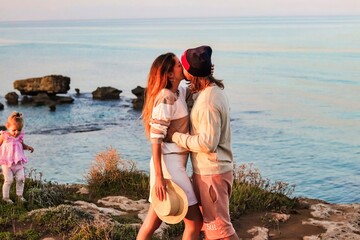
[293, 84]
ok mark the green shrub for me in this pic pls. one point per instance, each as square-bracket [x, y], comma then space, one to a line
[251, 192]
[6, 236]
[29, 234]
[61, 219]
[41, 193]
[9, 214]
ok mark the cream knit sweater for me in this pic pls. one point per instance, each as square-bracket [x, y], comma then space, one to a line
[210, 135]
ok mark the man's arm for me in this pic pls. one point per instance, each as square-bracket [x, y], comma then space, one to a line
[207, 138]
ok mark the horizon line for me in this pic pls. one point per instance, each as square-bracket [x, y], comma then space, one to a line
[207, 17]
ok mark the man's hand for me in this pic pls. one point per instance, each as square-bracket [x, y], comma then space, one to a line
[170, 132]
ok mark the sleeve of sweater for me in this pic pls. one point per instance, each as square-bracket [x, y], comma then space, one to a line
[208, 135]
[162, 113]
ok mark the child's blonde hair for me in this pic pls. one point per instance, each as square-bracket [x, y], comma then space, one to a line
[15, 118]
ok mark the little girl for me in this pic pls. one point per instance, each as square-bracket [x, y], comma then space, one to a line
[12, 157]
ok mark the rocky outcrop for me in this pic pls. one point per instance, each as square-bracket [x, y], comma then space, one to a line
[106, 93]
[139, 92]
[51, 84]
[41, 91]
[12, 98]
[45, 99]
[341, 221]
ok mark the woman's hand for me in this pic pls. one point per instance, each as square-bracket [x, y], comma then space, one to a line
[160, 188]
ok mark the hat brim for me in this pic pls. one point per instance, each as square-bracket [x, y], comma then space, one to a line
[183, 203]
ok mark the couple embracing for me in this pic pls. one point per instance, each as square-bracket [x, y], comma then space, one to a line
[203, 202]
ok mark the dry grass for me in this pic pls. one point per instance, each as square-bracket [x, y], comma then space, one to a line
[111, 175]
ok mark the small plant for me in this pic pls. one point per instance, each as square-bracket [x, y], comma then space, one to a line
[41, 193]
[9, 214]
[6, 236]
[59, 220]
[97, 231]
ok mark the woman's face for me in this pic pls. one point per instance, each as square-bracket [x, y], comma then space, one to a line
[178, 70]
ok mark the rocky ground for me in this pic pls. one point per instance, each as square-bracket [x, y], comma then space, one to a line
[313, 220]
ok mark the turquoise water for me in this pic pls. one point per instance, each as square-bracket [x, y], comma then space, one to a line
[293, 84]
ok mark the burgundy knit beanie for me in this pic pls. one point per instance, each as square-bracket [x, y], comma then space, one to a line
[197, 61]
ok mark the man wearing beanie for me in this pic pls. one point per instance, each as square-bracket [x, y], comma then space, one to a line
[209, 142]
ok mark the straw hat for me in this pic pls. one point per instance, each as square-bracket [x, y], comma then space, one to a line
[174, 208]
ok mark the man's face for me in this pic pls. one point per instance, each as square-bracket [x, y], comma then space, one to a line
[190, 81]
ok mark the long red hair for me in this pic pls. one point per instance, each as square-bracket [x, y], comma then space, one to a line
[158, 79]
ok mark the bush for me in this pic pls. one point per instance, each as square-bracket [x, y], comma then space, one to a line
[251, 192]
[111, 175]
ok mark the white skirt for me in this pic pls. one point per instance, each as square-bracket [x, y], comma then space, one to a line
[174, 168]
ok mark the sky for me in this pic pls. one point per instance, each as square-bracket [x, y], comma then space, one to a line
[13, 10]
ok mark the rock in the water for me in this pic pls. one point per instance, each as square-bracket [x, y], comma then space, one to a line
[52, 84]
[12, 98]
[106, 93]
[139, 92]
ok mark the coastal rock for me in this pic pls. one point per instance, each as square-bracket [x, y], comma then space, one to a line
[106, 93]
[50, 100]
[51, 84]
[52, 107]
[42, 99]
[139, 92]
[341, 221]
[324, 220]
[82, 212]
[259, 233]
[125, 203]
[278, 217]
[105, 214]
[96, 210]
[26, 100]
[83, 190]
[12, 98]
[63, 99]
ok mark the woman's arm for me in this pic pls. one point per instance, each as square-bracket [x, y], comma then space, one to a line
[160, 184]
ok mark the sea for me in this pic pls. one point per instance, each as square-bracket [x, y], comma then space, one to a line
[293, 85]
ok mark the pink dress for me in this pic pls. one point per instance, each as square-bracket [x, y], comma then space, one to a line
[11, 150]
